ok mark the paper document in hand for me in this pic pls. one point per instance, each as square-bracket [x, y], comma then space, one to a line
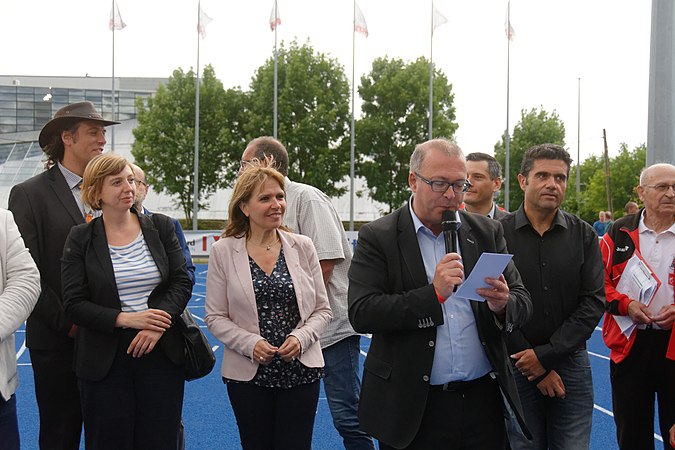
[638, 282]
[489, 265]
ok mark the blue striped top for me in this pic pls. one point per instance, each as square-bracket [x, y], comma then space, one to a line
[136, 274]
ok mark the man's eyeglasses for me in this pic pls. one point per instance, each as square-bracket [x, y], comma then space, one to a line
[141, 183]
[442, 186]
[661, 187]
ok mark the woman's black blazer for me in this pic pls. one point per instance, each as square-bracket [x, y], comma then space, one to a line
[90, 292]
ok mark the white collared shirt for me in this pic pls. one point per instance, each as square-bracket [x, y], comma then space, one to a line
[658, 250]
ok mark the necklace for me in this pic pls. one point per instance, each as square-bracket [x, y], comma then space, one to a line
[268, 246]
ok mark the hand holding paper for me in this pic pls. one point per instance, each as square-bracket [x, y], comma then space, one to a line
[639, 283]
[489, 265]
[496, 294]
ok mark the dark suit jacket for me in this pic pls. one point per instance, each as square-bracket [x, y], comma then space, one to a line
[90, 292]
[499, 213]
[45, 211]
[390, 297]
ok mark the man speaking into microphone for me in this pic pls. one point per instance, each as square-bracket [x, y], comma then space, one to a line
[437, 374]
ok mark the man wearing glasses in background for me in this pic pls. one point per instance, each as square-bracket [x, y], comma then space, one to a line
[437, 366]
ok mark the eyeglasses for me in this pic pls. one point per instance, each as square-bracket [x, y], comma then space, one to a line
[661, 187]
[141, 183]
[442, 186]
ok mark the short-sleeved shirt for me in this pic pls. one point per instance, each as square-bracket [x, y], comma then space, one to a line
[310, 212]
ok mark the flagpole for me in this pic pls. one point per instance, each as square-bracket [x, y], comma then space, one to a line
[112, 90]
[195, 194]
[351, 146]
[276, 15]
[507, 165]
[431, 74]
[578, 144]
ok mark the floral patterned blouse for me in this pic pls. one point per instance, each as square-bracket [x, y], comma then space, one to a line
[278, 315]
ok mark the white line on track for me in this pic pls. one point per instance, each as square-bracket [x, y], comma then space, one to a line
[599, 356]
[21, 350]
[599, 408]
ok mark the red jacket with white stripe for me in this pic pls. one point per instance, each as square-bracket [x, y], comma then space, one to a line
[617, 247]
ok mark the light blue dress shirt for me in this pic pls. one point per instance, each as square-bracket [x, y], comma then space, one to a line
[458, 353]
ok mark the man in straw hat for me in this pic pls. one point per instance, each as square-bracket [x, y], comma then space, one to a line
[45, 208]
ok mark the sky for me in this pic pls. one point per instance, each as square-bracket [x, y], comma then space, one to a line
[605, 43]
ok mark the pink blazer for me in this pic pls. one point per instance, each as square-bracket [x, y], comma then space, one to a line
[232, 314]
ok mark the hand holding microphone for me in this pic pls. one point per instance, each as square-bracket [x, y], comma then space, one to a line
[449, 271]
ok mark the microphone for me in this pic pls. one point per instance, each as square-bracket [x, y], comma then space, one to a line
[450, 225]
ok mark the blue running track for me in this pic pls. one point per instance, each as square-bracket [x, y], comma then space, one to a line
[209, 421]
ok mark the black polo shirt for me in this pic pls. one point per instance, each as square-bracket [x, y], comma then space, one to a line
[563, 272]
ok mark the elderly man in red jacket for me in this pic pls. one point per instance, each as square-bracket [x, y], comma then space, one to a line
[643, 362]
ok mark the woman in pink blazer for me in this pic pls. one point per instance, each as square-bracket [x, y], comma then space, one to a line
[266, 302]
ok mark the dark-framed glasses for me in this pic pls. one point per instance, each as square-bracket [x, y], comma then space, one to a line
[442, 186]
[141, 183]
[661, 187]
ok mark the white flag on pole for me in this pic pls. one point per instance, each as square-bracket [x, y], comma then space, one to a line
[510, 32]
[274, 16]
[204, 20]
[438, 20]
[360, 25]
[116, 22]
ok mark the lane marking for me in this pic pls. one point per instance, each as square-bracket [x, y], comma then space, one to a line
[21, 350]
[599, 356]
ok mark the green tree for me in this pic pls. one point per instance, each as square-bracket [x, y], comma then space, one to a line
[535, 127]
[395, 118]
[580, 205]
[313, 114]
[165, 136]
[624, 171]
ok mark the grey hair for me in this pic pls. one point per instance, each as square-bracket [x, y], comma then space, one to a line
[445, 145]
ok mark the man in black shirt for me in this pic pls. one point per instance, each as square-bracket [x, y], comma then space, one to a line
[559, 259]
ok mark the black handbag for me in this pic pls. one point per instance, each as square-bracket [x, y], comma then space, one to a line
[199, 357]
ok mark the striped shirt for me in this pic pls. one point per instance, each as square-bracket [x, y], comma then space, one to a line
[136, 274]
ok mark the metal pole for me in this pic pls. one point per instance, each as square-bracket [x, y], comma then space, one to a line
[507, 161]
[276, 13]
[195, 194]
[351, 146]
[578, 144]
[431, 75]
[661, 110]
[112, 90]
[607, 175]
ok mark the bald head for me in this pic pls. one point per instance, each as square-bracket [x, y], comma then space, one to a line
[649, 173]
[267, 147]
[657, 193]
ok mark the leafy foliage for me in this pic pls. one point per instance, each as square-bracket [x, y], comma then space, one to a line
[624, 170]
[313, 114]
[535, 127]
[395, 118]
[165, 136]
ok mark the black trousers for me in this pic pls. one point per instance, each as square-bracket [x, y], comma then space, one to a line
[274, 419]
[470, 419]
[58, 399]
[137, 405]
[636, 381]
